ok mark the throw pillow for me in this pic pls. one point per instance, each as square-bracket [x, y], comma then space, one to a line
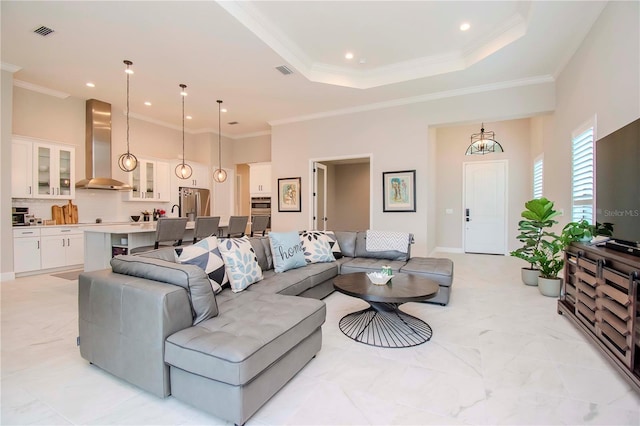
[287, 251]
[316, 247]
[333, 243]
[240, 262]
[206, 255]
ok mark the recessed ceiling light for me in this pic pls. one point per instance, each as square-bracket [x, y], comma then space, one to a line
[348, 55]
[465, 26]
[188, 117]
[223, 110]
[147, 103]
[91, 84]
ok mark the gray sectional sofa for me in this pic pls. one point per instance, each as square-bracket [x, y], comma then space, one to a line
[157, 324]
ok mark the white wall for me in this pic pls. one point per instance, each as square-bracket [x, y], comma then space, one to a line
[6, 233]
[398, 139]
[602, 79]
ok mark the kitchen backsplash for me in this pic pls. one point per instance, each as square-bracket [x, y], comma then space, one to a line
[92, 204]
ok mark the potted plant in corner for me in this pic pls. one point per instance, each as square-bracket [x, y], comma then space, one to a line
[550, 260]
[538, 216]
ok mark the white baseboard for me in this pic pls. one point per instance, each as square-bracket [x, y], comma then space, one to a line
[448, 250]
[7, 276]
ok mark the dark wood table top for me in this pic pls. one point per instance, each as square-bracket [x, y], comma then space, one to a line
[401, 289]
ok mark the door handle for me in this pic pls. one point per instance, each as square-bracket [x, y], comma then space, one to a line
[466, 213]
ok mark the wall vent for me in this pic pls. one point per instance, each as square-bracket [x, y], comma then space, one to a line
[285, 70]
[43, 31]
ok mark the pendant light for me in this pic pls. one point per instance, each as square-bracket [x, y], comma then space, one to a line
[127, 161]
[219, 175]
[183, 170]
[483, 143]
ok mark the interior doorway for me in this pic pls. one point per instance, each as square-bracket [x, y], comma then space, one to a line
[341, 194]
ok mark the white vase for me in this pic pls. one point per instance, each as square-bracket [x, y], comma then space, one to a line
[530, 276]
[549, 286]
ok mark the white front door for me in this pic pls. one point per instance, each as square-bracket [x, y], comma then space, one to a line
[485, 189]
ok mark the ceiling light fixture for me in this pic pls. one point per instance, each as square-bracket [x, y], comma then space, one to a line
[183, 170]
[147, 103]
[465, 26]
[483, 143]
[90, 84]
[219, 175]
[127, 161]
[348, 55]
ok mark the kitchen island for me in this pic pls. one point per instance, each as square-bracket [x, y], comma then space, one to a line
[101, 243]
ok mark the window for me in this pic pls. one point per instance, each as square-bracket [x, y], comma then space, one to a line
[538, 165]
[582, 173]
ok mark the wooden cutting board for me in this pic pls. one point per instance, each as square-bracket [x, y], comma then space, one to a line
[70, 213]
[57, 215]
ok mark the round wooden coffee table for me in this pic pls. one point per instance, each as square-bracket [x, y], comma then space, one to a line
[383, 324]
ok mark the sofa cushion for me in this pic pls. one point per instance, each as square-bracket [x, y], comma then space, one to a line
[240, 261]
[365, 264]
[361, 250]
[260, 248]
[252, 332]
[286, 249]
[347, 242]
[316, 247]
[164, 253]
[439, 270]
[206, 255]
[296, 281]
[190, 277]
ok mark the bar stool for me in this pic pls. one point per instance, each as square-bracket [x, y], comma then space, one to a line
[205, 227]
[259, 224]
[237, 226]
[167, 229]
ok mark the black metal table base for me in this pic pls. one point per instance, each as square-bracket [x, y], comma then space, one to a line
[386, 326]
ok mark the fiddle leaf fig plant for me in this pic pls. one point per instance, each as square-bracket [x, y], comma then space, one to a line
[538, 216]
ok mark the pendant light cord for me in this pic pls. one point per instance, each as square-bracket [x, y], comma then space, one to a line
[219, 138]
[183, 126]
[127, 110]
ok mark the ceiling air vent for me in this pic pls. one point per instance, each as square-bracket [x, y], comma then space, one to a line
[232, 123]
[43, 31]
[285, 70]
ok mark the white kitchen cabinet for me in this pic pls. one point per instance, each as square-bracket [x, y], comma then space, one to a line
[61, 246]
[26, 249]
[200, 176]
[260, 179]
[42, 169]
[150, 181]
[54, 171]
[22, 168]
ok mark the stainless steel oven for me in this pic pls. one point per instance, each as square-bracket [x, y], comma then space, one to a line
[261, 206]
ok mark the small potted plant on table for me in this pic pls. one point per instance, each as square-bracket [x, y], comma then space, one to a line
[538, 216]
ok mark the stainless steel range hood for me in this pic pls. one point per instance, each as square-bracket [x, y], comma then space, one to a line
[98, 149]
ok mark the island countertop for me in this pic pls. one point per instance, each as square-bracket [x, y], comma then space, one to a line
[101, 243]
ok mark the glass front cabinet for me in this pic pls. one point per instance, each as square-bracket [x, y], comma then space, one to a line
[54, 171]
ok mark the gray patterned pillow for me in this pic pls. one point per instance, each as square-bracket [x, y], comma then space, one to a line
[206, 255]
[316, 247]
[240, 262]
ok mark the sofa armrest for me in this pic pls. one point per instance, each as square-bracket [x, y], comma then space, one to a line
[123, 323]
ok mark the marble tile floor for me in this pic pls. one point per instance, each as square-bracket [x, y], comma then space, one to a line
[500, 354]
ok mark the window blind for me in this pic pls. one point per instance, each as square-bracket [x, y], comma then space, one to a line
[538, 166]
[582, 176]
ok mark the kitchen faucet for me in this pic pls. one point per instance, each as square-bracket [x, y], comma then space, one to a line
[179, 212]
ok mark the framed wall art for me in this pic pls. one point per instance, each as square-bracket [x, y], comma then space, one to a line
[399, 191]
[289, 195]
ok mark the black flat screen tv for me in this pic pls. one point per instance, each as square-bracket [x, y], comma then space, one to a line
[618, 182]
